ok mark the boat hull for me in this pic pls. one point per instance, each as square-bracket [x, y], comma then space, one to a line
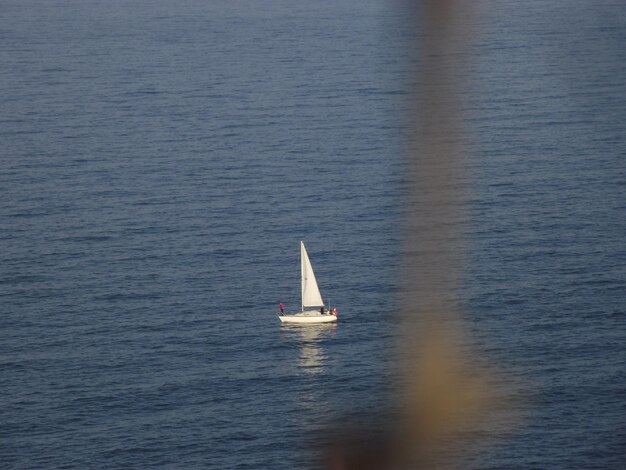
[308, 318]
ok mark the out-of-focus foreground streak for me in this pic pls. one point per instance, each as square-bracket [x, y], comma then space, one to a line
[441, 401]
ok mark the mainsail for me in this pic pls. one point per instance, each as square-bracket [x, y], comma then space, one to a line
[311, 296]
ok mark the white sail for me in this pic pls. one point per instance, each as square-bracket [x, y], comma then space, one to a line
[311, 296]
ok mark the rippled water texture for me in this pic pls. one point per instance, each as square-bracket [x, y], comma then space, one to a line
[160, 162]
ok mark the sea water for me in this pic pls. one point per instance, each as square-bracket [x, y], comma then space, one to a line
[160, 162]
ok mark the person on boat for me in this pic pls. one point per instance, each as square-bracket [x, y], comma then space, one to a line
[322, 310]
[282, 308]
[335, 311]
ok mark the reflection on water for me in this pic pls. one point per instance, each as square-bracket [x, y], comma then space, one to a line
[310, 341]
[311, 358]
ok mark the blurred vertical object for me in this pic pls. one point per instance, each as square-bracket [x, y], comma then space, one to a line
[444, 392]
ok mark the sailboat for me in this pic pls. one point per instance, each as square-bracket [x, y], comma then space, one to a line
[311, 297]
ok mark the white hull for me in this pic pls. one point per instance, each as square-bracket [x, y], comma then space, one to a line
[308, 317]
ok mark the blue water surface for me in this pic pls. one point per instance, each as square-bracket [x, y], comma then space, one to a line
[160, 162]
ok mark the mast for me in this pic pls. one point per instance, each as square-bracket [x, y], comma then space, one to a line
[302, 274]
